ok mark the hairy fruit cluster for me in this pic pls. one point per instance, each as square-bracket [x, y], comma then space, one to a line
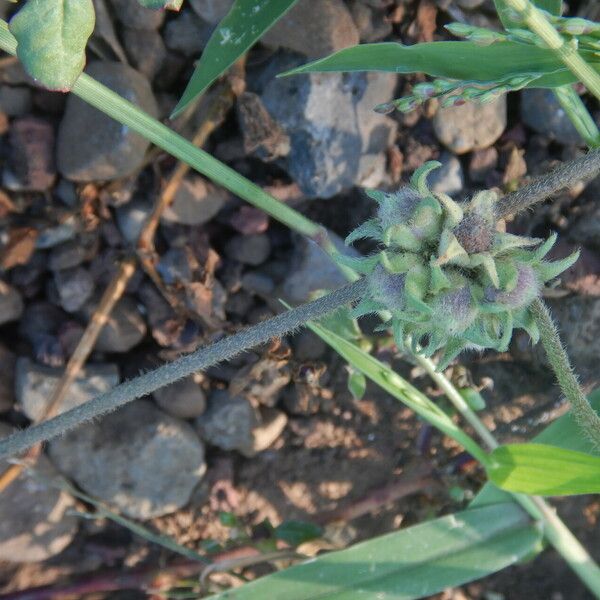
[446, 274]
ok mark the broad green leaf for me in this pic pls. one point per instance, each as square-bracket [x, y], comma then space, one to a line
[295, 533]
[564, 433]
[51, 38]
[541, 470]
[240, 28]
[411, 563]
[452, 60]
[157, 4]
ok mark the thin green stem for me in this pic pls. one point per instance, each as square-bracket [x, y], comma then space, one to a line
[556, 532]
[558, 358]
[579, 115]
[535, 19]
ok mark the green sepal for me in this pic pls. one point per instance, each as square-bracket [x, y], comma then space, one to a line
[369, 229]
[450, 252]
[550, 270]
[508, 274]
[483, 203]
[544, 248]
[439, 281]
[427, 217]
[401, 236]
[486, 261]
[367, 306]
[398, 333]
[508, 241]
[506, 323]
[453, 348]
[454, 212]
[526, 321]
[415, 289]
[419, 177]
[361, 264]
[399, 262]
[435, 342]
[377, 195]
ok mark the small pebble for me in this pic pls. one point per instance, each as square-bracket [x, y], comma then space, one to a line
[74, 286]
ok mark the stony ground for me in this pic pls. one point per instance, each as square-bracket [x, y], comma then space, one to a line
[274, 434]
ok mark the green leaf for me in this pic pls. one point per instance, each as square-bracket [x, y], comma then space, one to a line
[51, 38]
[452, 60]
[157, 4]
[357, 384]
[411, 563]
[505, 12]
[295, 533]
[564, 433]
[240, 28]
[541, 470]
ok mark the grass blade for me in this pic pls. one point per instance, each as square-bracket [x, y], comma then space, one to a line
[412, 563]
[451, 60]
[542, 470]
[239, 30]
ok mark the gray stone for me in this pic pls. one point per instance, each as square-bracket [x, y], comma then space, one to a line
[272, 424]
[92, 145]
[31, 157]
[472, 126]
[184, 399]
[228, 423]
[187, 34]
[132, 14]
[124, 328]
[312, 269]
[7, 378]
[196, 202]
[35, 524]
[11, 303]
[372, 23]
[331, 124]
[316, 29]
[586, 229]
[212, 11]
[541, 111]
[137, 459]
[15, 101]
[34, 385]
[67, 255]
[251, 249]
[74, 286]
[258, 283]
[448, 179]
[175, 266]
[52, 236]
[131, 218]
[146, 50]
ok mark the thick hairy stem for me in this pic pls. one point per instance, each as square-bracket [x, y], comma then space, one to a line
[180, 368]
[580, 169]
[583, 413]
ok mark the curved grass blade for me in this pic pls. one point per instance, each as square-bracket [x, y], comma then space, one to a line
[542, 470]
[240, 28]
[51, 39]
[451, 60]
[412, 563]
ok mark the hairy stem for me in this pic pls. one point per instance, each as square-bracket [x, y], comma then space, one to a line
[581, 169]
[535, 19]
[180, 368]
[583, 413]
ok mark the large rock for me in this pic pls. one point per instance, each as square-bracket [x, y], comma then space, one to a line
[312, 269]
[315, 28]
[124, 327]
[196, 202]
[184, 399]
[138, 459]
[7, 378]
[92, 145]
[34, 524]
[472, 126]
[34, 385]
[332, 127]
[11, 303]
[541, 111]
[146, 50]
